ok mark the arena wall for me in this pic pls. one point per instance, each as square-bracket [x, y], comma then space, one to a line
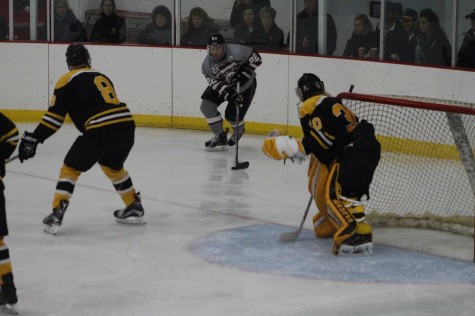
[162, 86]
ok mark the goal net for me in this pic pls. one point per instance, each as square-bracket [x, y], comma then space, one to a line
[426, 176]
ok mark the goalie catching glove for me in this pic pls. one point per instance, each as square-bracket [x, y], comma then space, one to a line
[284, 147]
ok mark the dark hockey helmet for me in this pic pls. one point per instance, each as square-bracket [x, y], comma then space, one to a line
[216, 47]
[308, 86]
[77, 55]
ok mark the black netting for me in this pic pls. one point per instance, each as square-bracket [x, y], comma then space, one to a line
[420, 175]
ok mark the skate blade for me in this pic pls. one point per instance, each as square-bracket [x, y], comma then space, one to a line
[217, 148]
[51, 229]
[9, 309]
[363, 249]
[131, 220]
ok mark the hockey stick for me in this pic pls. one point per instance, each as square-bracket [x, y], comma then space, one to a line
[293, 236]
[11, 159]
[244, 164]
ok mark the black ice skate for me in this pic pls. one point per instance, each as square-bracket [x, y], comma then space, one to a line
[232, 139]
[55, 219]
[358, 243]
[8, 298]
[218, 143]
[132, 214]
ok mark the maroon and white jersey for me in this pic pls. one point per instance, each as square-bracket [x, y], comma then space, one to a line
[219, 74]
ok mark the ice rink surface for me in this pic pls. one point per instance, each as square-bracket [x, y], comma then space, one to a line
[210, 245]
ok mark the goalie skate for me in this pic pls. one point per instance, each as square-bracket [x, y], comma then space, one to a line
[357, 244]
[132, 214]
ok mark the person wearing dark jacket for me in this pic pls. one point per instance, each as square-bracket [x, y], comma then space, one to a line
[363, 36]
[466, 54]
[267, 36]
[67, 28]
[240, 6]
[307, 30]
[109, 28]
[436, 49]
[200, 26]
[159, 31]
[407, 48]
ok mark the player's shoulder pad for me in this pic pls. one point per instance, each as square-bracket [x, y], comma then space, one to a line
[238, 50]
[67, 77]
[310, 104]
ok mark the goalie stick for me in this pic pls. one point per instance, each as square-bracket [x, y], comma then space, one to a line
[245, 164]
[293, 236]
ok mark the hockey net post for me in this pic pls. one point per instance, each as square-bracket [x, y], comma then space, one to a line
[426, 176]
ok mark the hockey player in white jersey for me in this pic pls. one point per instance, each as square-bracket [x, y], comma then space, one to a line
[224, 67]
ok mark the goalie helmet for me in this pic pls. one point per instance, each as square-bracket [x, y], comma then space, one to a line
[308, 86]
[216, 47]
[77, 55]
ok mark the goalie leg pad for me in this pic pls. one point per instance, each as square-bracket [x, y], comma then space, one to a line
[341, 218]
[283, 147]
[322, 226]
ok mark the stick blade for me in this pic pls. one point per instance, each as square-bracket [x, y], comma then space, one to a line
[289, 237]
[241, 165]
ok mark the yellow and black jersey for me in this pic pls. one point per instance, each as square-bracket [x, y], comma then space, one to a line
[8, 137]
[329, 127]
[89, 98]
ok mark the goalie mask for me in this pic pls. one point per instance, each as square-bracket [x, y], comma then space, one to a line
[216, 46]
[308, 86]
[77, 55]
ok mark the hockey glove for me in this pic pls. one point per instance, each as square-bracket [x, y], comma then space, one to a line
[242, 75]
[236, 98]
[27, 147]
[284, 147]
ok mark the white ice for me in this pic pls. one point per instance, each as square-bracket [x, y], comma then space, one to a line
[95, 266]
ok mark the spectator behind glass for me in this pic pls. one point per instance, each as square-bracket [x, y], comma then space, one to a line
[393, 32]
[67, 27]
[363, 36]
[109, 28]
[3, 30]
[407, 49]
[159, 31]
[243, 30]
[239, 7]
[307, 30]
[466, 54]
[267, 35]
[237, 11]
[200, 26]
[435, 46]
